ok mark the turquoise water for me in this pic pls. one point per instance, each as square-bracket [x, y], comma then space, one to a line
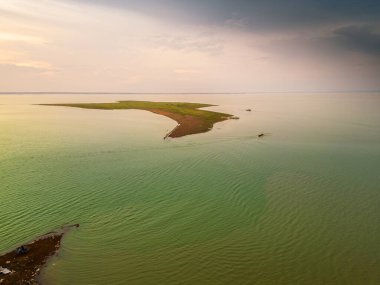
[300, 206]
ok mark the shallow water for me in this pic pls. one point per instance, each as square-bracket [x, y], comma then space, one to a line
[299, 206]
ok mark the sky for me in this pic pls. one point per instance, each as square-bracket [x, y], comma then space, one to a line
[189, 45]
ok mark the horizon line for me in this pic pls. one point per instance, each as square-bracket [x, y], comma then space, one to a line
[175, 93]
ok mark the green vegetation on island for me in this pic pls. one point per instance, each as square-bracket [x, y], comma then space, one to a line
[190, 119]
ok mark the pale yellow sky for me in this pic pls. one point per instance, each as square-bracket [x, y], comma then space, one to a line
[51, 45]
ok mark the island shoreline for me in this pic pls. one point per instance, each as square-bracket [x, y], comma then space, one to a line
[25, 264]
[189, 117]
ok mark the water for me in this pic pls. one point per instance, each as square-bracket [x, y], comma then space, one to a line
[300, 206]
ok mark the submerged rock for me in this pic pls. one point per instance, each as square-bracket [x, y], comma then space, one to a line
[4, 270]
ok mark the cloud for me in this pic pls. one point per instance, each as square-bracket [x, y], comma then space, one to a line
[194, 43]
[189, 45]
[22, 61]
[186, 71]
[35, 66]
[14, 37]
[27, 66]
[258, 15]
[362, 39]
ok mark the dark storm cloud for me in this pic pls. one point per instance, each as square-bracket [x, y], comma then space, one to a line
[363, 39]
[256, 14]
[350, 25]
[360, 39]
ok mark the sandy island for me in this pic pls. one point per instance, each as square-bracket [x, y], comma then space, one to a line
[190, 119]
[24, 264]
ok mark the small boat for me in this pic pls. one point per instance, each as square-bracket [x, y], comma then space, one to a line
[260, 135]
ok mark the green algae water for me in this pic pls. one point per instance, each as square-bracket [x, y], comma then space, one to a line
[299, 206]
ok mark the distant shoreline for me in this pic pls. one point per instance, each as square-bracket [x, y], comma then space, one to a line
[177, 93]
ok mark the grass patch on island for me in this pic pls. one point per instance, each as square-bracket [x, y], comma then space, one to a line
[190, 119]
